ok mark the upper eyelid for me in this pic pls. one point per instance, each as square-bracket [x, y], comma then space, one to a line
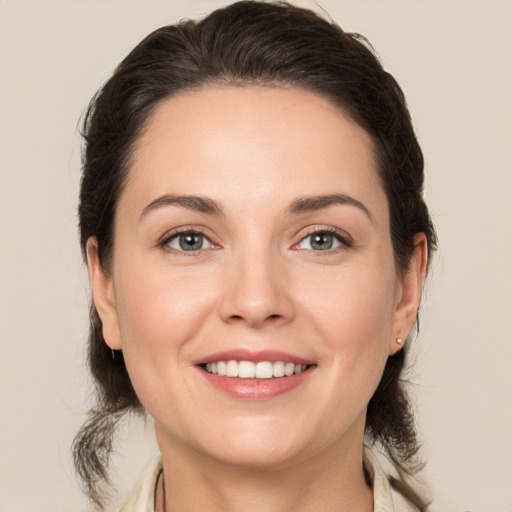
[345, 242]
[341, 234]
[173, 233]
[311, 230]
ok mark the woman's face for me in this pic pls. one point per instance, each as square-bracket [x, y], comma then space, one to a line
[253, 227]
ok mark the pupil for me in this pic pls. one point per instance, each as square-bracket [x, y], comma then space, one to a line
[191, 242]
[322, 241]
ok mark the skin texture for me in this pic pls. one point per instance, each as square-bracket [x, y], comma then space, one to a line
[256, 283]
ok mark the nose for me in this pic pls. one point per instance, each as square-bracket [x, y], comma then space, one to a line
[257, 291]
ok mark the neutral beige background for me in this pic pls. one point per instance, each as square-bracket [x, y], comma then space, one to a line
[454, 60]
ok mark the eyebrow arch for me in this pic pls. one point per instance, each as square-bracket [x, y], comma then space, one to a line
[195, 203]
[315, 203]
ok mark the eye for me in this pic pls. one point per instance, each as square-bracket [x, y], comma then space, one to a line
[322, 241]
[189, 241]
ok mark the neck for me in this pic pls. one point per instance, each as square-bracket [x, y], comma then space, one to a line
[331, 482]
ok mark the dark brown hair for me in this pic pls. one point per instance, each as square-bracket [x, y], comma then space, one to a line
[263, 43]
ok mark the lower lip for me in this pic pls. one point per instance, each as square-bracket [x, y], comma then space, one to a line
[256, 389]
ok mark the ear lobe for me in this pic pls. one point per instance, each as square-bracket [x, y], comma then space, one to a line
[409, 293]
[103, 295]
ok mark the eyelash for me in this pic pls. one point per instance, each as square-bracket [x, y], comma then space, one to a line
[345, 240]
[169, 237]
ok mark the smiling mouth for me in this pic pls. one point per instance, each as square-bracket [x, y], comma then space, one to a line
[254, 370]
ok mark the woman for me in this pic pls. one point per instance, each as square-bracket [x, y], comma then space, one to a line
[251, 214]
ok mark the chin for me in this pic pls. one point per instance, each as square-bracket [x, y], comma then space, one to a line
[252, 456]
[251, 442]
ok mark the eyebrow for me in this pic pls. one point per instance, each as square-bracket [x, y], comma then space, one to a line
[315, 203]
[194, 203]
[210, 207]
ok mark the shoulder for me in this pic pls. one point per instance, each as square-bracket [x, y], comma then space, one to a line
[385, 499]
[142, 498]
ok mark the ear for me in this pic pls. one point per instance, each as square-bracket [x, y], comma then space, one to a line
[103, 295]
[409, 294]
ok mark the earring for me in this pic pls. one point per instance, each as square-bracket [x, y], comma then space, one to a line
[113, 353]
[399, 341]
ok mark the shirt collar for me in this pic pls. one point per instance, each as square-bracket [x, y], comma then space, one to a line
[382, 500]
[142, 498]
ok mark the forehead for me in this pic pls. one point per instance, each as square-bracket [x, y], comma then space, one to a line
[251, 142]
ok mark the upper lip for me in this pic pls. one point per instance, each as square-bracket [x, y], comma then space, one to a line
[254, 356]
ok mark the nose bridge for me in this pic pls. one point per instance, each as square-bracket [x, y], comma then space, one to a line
[256, 290]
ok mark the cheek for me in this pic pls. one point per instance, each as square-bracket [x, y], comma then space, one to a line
[353, 304]
[354, 317]
[159, 311]
[353, 313]
[160, 315]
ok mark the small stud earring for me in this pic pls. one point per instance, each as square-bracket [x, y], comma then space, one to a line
[399, 341]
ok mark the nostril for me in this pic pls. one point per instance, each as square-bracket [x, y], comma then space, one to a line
[241, 307]
[269, 317]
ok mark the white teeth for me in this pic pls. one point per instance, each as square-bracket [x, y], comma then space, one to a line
[278, 369]
[264, 370]
[231, 369]
[289, 369]
[246, 370]
[250, 370]
[221, 368]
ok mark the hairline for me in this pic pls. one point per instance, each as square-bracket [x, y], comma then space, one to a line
[225, 82]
